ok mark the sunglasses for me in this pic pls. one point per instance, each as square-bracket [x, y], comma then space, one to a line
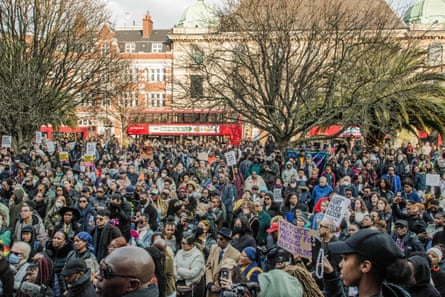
[82, 201]
[107, 273]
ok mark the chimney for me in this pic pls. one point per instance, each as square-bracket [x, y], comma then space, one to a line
[147, 26]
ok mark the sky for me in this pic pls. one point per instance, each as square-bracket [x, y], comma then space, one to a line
[166, 13]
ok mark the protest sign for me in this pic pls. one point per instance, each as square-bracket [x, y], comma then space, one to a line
[63, 156]
[432, 180]
[277, 197]
[6, 141]
[51, 145]
[91, 148]
[296, 240]
[230, 158]
[38, 137]
[203, 156]
[338, 205]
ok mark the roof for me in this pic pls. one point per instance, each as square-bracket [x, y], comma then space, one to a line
[198, 15]
[426, 12]
[364, 13]
[135, 36]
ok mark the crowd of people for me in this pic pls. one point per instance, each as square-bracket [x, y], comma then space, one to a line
[164, 219]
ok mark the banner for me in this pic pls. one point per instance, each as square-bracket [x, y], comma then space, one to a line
[296, 240]
[337, 208]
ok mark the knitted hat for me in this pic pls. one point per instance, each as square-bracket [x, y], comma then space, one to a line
[250, 253]
[438, 252]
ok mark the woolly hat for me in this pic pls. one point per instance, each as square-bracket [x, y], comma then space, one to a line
[438, 252]
[19, 193]
[250, 253]
[278, 283]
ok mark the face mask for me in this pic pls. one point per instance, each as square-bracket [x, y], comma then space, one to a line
[163, 174]
[59, 174]
[13, 259]
[236, 229]
[59, 204]
[144, 201]
[199, 231]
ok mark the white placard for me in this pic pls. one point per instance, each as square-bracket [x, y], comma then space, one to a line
[38, 137]
[338, 206]
[230, 158]
[51, 145]
[432, 180]
[277, 197]
[91, 148]
[6, 141]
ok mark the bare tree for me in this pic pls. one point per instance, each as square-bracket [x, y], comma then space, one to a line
[287, 66]
[51, 59]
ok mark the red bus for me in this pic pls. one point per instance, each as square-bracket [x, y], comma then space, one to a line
[80, 132]
[176, 123]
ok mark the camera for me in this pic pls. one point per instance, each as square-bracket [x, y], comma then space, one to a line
[224, 274]
[243, 289]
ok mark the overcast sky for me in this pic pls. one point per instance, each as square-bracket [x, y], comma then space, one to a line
[166, 13]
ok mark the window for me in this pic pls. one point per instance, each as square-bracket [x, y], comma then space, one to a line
[196, 86]
[129, 99]
[106, 102]
[155, 99]
[157, 74]
[85, 122]
[105, 50]
[197, 57]
[130, 47]
[435, 54]
[131, 74]
[156, 47]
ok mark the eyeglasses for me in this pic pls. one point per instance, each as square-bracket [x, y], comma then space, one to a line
[107, 273]
[266, 198]
[323, 226]
[16, 253]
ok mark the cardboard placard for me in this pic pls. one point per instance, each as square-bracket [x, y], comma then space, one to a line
[203, 156]
[296, 240]
[338, 205]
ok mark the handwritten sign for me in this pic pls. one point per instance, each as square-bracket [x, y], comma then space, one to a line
[91, 149]
[230, 158]
[338, 205]
[296, 240]
[277, 197]
[6, 141]
[38, 137]
[432, 180]
[63, 156]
